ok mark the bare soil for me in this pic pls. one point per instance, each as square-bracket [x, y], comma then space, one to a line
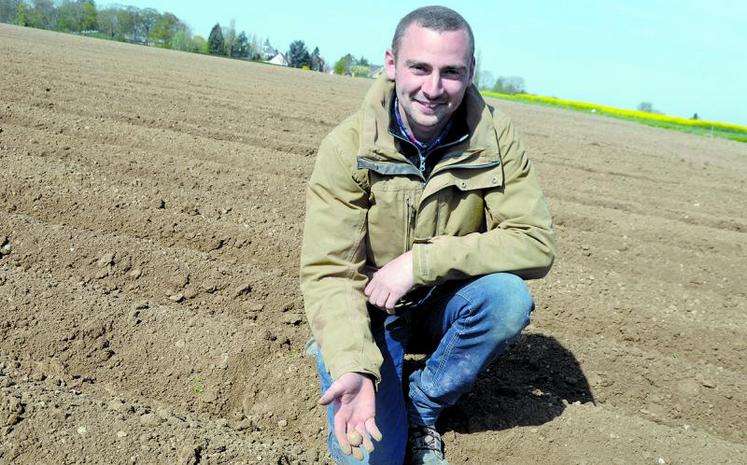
[151, 207]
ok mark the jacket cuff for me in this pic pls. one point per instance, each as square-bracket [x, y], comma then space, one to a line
[421, 267]
[338, 369]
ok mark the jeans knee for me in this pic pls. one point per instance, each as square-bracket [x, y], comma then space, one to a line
[505, 302]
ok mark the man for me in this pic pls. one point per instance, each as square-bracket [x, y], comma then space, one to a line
[423, 215]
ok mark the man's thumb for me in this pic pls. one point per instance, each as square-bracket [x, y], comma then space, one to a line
[331, 394]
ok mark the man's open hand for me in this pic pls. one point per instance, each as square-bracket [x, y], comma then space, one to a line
[391, 282]
[354, 401]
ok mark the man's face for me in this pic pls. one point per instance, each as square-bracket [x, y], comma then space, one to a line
[431, 73]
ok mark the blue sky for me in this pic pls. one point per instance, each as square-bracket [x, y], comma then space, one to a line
[683, 56]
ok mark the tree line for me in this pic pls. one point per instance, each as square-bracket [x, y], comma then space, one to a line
[148, 26]
[348, 65]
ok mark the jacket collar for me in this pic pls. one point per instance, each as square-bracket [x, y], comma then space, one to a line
[377, 143]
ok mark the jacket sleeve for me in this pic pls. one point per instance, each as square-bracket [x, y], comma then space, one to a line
[519, 237]
[332, 259]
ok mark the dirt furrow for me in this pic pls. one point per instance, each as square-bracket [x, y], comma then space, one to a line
[151, 208]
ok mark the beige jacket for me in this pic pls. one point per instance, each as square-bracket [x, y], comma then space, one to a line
[481, 211]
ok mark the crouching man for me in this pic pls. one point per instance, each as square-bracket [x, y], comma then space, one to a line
[423, 219]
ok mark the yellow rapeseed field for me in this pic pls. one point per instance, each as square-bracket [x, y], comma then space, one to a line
[620, 112]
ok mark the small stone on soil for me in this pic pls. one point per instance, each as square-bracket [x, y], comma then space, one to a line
[242, 290]
[106, 259]
[209, 396]
[256, 307]
[190, 293]
[150, 419]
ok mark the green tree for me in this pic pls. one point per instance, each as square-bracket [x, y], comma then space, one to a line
[255, 47]
[198, 44]
[510, 85]
[360, 68]
[241, 48]
[22, 15]
[477, 79]
[298, 55]
[342, 66]
[88, 19]
[76, 16]
[127, 19]
[69, 15]
[106, 22]
[484, 80]
[164, 29]
[216, 45]
[8, 11]
[360, 71]
[317, 62]
[181, 40]
[42, 14]
[146, 20]
[648, 107]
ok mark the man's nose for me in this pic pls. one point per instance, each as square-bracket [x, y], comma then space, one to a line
[432, 87]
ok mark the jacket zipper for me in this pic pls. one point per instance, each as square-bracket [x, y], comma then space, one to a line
[409, 221]
[421, 156]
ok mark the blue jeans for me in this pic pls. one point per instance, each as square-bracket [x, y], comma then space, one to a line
[463, 325]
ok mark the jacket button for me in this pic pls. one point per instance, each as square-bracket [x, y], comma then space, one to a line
[463, 184]
[495, 180]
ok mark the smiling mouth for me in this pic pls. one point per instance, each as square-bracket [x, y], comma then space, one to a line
[429, 106]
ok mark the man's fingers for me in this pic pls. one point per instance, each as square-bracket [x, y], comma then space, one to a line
[340, 425]
[365, 437]
[357, 453]
[355, 438]
[380, 297]
[391, 301]
[372, 285]
[373, 430]
[368, 444]
[375, 296]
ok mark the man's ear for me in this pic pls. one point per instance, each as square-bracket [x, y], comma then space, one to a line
[390, 64]
[472, 71]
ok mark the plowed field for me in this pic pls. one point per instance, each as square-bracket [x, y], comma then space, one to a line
[151, 207]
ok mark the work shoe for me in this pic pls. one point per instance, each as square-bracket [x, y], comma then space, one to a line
[425, 446]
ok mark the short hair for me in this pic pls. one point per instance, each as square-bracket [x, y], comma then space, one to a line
[435, 18]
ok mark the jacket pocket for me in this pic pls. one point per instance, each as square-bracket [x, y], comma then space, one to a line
[477, 177]
[391, 217]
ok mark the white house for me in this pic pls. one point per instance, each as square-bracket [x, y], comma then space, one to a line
[278, 59]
